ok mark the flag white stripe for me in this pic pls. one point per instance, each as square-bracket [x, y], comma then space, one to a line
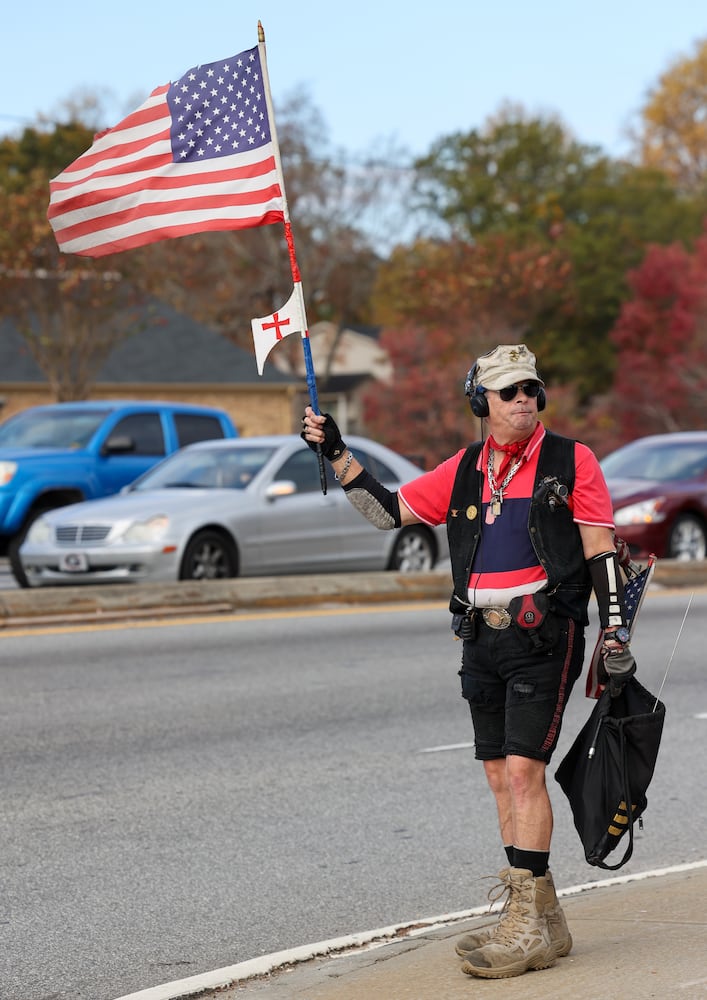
[92, 184]
[173, 219]
[126, 136]
[76, 178]
[107, 140]
[122, 203]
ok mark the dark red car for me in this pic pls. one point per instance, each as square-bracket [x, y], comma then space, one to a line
[658, 485]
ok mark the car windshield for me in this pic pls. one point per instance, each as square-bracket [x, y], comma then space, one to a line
[50, 429]
[207, 468]
[658, 462]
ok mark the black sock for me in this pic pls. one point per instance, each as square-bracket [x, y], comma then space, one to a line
[535, 861]
[510, 850]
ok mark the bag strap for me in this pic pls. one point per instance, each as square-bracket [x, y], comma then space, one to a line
[629, 807]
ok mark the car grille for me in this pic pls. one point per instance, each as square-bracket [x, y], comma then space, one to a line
[82, 534]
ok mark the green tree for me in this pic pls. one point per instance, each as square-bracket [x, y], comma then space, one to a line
[527, 178]
[618, 212]
[48, 150]
[515, 174]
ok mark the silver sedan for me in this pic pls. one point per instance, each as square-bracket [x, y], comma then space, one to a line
[217, 509]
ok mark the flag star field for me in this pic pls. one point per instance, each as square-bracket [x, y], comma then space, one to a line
[218, 109]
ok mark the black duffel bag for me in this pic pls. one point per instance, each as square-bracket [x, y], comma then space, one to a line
[610, 765]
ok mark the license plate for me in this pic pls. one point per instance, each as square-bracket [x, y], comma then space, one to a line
[74, 562]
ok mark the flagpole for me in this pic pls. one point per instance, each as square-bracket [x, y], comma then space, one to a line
[294, 267]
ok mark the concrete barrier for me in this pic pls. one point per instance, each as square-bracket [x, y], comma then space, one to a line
[106, 603]
[55, 605]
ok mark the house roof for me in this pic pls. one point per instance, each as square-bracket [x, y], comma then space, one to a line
[169, 348]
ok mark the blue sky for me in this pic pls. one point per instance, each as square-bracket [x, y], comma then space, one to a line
[399, 70]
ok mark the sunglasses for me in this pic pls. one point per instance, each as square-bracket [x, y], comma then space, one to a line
[529, 389]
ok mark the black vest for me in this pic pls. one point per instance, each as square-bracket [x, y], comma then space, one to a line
[554, 535]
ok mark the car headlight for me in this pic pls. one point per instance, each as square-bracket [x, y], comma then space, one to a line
[7, 471]
[147, 531]
[40, 531]
[645, 512]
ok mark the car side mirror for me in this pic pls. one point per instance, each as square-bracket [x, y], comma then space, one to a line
[280, 488]
[118, 444]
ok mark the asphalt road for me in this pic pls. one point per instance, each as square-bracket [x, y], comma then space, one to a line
[181, 797]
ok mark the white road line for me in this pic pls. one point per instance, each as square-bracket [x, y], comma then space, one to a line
[450, 746]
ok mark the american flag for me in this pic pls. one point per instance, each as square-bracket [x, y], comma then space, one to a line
[197, 155]
[634, 592]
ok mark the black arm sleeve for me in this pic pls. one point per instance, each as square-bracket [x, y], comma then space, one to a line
[371, 498]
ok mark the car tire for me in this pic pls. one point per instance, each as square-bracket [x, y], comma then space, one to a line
[688, 538]
[13, 548]
[414, 551]
[209, 555]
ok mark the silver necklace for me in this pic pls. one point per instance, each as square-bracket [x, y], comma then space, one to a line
[496, 503]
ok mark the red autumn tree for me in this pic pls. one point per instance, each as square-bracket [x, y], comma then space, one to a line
[661, 339]
[442, 305]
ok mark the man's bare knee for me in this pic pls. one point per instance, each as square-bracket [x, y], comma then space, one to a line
[525, 775]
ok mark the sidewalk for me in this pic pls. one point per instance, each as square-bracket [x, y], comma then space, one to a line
[635, 938]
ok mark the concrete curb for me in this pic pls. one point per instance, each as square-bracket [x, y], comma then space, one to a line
[56, 605]
[210, 984]
[106, 603]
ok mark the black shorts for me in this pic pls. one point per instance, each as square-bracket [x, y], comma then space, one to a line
[518, 693]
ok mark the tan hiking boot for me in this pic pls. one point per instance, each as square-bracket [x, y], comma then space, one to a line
[522, 939]
[478, 938]
[557, 925]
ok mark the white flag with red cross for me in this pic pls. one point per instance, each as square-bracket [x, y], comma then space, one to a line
[268, 330]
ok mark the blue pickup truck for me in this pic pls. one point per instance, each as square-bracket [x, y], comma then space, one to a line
[63, 453]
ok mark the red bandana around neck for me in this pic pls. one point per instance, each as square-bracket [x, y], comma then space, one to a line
[511, 451]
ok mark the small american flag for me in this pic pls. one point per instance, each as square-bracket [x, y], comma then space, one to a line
[197, 155]
[634, 592]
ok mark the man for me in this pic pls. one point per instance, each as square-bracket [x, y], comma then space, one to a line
[530, 527]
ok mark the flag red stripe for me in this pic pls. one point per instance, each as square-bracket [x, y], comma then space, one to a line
[121, 159]
[173, 178]
[118, 142]
[201, 225]
[140, 210]
[64, 197]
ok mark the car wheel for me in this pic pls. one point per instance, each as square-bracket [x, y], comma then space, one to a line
[209, 556]
[13, 548]
[688, 538]
[413, 552]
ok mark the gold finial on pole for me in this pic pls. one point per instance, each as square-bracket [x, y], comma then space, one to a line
[261, 33]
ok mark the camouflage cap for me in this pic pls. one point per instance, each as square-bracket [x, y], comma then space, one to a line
[505, 365]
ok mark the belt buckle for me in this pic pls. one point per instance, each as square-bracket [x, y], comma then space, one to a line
[497, 618]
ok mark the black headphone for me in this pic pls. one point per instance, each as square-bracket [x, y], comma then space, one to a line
[477, 395]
